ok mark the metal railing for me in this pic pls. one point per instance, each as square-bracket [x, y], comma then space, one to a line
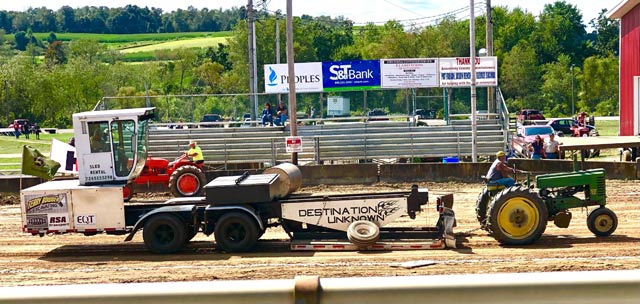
[620, 287]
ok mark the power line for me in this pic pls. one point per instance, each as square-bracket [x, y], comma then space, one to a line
[403, 8]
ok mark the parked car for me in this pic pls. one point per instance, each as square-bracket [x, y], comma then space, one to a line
[525, 135]
[377, 114]
[524, 117]
[211, 121]
[424, 114]
[569, 127]
[20, 122]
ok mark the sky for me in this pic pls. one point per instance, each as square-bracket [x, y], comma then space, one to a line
[360, 11]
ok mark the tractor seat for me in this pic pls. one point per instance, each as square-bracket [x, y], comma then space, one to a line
[492, 185]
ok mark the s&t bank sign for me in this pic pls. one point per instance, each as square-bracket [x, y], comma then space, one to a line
[308, 77]
[351, 75]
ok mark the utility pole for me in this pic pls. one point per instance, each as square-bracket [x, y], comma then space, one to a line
[573, 112]
[278, 44]
[252, 63]
[472, 50]
[6, 99]
[292, 78]
[489, 38]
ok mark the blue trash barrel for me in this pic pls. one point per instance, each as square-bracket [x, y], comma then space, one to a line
[450, 160]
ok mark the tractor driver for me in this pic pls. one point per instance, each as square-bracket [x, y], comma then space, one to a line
[97, 142]
[195, 153]
[499, 171]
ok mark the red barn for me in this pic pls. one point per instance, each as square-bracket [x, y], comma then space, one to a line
[628, 11]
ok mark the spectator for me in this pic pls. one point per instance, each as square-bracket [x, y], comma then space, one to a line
[36, 129]
[537, 147]
[25, 130]
[281, 114]
[499, 171]
[551, 147]
[72, 141]
[195, 153]
[581, 117]
[16, 129]
[179, 125]
[267, 115]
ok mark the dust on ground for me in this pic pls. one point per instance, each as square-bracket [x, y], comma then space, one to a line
[78, 259]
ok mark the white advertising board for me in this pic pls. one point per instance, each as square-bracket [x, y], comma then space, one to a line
[64, 154]
[409, 73]
[308, 77]
[456, 72]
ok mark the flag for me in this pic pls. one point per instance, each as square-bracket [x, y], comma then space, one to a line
[36, 164]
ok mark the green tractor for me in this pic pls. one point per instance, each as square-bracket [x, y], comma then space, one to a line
[518, 215]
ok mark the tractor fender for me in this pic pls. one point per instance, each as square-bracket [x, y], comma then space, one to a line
[219, 210]
[167, 209]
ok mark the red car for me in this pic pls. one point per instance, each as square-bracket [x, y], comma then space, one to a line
[526, 135]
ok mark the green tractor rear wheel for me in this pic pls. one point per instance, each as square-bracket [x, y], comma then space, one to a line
[602, 221]
[517, 216]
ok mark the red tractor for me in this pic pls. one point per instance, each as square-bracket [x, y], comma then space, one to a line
[183, 177]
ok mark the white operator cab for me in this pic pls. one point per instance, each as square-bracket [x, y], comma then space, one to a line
[110, 150]
[111, 145]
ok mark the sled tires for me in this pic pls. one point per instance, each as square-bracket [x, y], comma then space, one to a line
[187, 181]
[236, 232]
[602, 222]
[164, 233]
[517, 216]
[363, 233]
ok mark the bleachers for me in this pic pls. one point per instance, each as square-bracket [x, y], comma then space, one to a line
[329, 142]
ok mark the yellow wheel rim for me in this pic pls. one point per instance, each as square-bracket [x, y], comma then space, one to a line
[603, 223]
[518, 217]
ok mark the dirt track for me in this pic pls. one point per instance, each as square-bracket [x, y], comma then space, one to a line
[76, 259]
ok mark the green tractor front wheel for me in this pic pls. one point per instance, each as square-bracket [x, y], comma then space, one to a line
[602, 221]
[517, 216]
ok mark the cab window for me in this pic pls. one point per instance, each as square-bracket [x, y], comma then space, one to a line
[99, 137]
[123, 135]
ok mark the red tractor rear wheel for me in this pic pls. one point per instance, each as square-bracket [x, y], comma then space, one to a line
[187, 181]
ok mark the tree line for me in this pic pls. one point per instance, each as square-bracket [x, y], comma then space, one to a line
[548, 62]
[121, 20]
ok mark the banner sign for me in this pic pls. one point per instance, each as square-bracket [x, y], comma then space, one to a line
[351, 75]
[308, 77]
[409, 73]
[456, 72]
[384, 73]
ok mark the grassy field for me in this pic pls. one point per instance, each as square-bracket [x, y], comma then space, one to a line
[171, 45]
[142, 47]
[608, 127]
[11, 148]
[127, 38]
